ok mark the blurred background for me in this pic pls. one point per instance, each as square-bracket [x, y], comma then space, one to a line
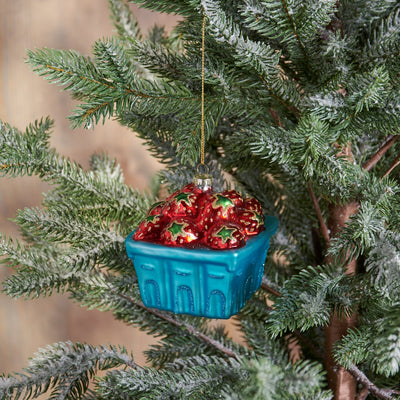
[26, 326]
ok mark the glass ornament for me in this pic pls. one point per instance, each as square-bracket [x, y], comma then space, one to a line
[204, 257]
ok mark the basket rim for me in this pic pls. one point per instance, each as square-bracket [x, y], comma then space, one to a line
[134, 247]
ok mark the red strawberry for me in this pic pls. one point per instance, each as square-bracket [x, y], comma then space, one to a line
[156, 208]
[186, 189]
[150, 228]
[180, 232]
[213, 208]
[225, 236]
[236, 198]
[252, 204]
[252, 222]
[183, 204]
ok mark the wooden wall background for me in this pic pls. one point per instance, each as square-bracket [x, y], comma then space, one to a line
[24, 97]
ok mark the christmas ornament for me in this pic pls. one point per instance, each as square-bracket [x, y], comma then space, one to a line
[200, 281]
[195, 216]
[200, 252]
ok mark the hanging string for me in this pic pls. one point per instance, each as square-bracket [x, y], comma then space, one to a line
[203, 180]
[202, 90]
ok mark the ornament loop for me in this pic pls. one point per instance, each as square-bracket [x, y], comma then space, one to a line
[202, 169]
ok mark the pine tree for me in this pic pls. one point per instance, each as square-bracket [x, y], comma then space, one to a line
[302, 111]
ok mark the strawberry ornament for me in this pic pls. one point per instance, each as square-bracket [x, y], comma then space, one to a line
[182, 204]
[252, 204]
[195, 216]
[252, 222]
[225, 236]
[150, 228]
[206, 258]
[156, 208]
[214, 207]
[234, 196]
[180, 232]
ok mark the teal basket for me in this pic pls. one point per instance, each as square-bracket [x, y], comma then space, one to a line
[201, 282]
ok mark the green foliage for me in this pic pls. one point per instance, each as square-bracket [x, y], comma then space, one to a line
[270, 381]
[309, 298]
[376, 345]
[299, 97]
[24, 154]
[383, 45]
[364, 231]
[181, 7]
[194, 378]
[63, 369]
[383, 266]
[124, 21]
[75, 233]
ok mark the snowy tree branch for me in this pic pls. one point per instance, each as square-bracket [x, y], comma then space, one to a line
[364, 393]
[189, 328]
[372, 388]
[266, 285]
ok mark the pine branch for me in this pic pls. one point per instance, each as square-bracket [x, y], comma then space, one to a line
[268, 379]
[124, 21]
[363, 394]
[64, 368]
[395, 163]
[307, 342]
[366, 90]
[259, 56]
[180, 7]
[266, 286]
[170, 349]
[307, 150]
[356, 372]
[322, 224]
[293, 26]
[385, 394]
[199, 377]
[109, 84]
[366, 221]
[189, 328]
[380, 153]
[290, 107]
[383, 44]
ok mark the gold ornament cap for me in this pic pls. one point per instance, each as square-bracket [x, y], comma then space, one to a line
[203, 182]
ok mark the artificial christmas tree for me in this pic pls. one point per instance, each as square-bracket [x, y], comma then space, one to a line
[302, 112]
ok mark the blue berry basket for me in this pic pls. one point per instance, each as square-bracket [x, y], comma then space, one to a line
[201, 282]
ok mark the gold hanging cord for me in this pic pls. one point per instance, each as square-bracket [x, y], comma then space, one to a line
[202, 90]
[203, 180]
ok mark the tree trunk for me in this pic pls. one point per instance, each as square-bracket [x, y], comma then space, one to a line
[341, 382]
